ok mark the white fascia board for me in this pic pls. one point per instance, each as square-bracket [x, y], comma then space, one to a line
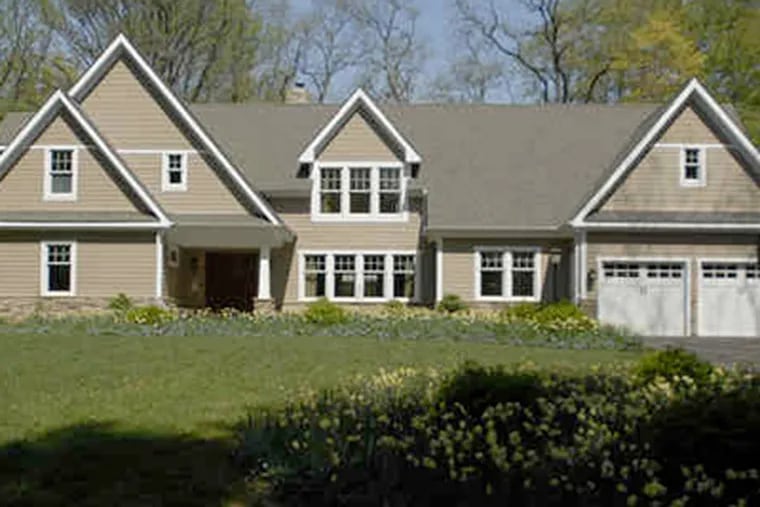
[84, 225]
[308, 156]
[694, 87]
[670, 226]
[96, 71]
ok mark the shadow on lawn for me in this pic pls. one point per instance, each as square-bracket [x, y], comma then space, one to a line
[99, 465]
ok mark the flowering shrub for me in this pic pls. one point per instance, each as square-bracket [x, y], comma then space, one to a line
[406, 438]
[551, 317]
[670, 363]
[384, 322]
[325, 313]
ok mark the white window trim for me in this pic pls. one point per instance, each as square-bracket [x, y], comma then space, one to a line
[702, 181]
[359, 275]
[44, 273]
[345, 215]
[166, 185]
[48, 194]
[507, 252]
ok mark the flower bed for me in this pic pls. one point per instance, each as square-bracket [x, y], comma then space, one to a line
[390, 322]
[518, 437]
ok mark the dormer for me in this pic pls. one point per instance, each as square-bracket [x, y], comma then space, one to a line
[360, 166]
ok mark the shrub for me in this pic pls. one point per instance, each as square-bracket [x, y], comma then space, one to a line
[669, 363]
[394, 307]
[476, 387]
[120, 303]
[563, 316]
[148, 315]
[325, 313]
[451, 303]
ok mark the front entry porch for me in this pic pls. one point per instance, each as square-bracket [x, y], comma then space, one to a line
[231, 280]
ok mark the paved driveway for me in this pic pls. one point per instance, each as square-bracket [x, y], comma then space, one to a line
[724, 350]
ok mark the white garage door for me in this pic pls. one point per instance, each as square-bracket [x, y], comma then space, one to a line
[729, 299]
[648, 298]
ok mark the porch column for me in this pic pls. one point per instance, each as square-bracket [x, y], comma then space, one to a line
[579, 266]
[265, 282]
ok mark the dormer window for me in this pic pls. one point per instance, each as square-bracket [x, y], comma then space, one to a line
[174, 172]
[60, 174]
[692, 167]
[358, 192]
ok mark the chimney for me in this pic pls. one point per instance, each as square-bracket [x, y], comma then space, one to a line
[298, 94]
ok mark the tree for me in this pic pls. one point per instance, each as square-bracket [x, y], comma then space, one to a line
[202, 49]
[392, 51]
[330, 33]
[30, 68]
[471, 76]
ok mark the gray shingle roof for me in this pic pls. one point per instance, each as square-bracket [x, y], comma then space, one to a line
[689, 217]
[490, 166]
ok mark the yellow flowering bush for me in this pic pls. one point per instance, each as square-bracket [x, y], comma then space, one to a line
[515, 436]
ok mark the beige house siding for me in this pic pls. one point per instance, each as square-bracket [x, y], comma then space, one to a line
[106, 263]
[459, 266]
[206, 193]
[328, 237]
[689, 246]
[186, 282]
[22, 189]
[357, 141]
[129, 117]
[655, 184]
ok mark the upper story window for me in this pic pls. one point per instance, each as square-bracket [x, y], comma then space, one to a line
[60, 174]
[359, 192]
[174, 172]
[692, 166]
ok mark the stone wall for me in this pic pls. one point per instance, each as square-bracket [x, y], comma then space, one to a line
[22, 307]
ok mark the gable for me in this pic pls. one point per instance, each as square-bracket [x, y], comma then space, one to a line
[358, 140]
[98, 189]
[654, 183]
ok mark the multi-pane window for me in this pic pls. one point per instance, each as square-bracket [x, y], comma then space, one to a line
[315, 276]
[523, 274]
[61, 167]
[492, 273]
[361, 190]
[175, 172]
[693, 171]
[390, 190]
[720, 270]
[358, 276]
[403, 276]
[58, 268]
[344, 283]
[507, 274]
[330, 190]
[374, 276]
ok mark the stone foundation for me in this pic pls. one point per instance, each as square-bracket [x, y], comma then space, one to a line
[20, 307]
[265, 307]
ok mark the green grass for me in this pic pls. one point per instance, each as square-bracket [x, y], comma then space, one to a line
[105, 420]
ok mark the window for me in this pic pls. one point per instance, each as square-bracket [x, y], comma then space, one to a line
[692, 171]
[359, 192]
[403, 276]
[345, 276]
[174, 172]
[506, 274]
[60, 180]
[329, 190]
[390, 190]
[58, 269]
[361, 276]
[720, 270]
[492, 273]
[374, 276]
[315, 267]
[621, 269]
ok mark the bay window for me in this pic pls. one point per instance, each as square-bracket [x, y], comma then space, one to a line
[359, 191]
[357, 276]
[504, 274]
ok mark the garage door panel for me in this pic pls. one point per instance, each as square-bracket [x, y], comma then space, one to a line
[729, 299]
[646, 297]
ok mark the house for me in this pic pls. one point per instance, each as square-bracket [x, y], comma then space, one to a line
[646, 216]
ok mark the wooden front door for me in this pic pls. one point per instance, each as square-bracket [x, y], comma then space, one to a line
[231, 280]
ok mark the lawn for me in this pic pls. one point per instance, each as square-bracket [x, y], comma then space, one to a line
[101, 420]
